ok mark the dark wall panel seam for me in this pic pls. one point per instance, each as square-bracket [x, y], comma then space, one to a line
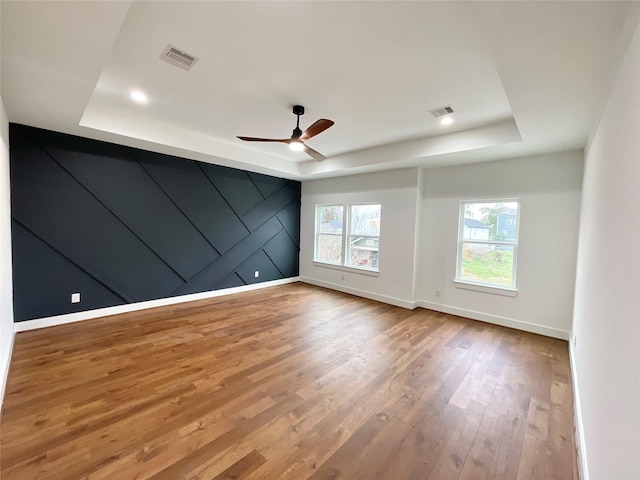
[178, 207]
[274, 263]
[295, 241]
[226, 201]
[256, 187]
[109, 210]
[255, 217]
[85, 269]
[267, 227]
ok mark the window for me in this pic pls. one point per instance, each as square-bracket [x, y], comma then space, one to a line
[329, 233]
[488, 243]
[348, 235]
[364, 236]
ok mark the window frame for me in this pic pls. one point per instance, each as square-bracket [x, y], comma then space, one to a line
[487, 287]
[345, 256]
[316, 242]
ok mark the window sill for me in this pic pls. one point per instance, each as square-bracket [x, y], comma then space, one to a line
[504, 291]
[361, 271]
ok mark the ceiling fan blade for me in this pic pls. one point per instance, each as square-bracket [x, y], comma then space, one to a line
[255, 139]
[318, 127]
[314, 154]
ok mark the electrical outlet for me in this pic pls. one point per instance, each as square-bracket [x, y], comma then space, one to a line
[341, 277]
[438, 293]
[256, 274]
[75, 298]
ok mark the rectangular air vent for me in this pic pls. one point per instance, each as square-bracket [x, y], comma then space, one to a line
[441, 111]
[177, 57]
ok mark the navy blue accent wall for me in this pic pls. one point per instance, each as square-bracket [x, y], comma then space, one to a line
[122, 225]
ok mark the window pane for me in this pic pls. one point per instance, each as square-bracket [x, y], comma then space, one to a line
[484, 263]
[490, 221]
[364, 252]
[365, 220]
[329, 248]
[330, 219]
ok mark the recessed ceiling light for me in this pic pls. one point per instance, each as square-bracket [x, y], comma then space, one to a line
[296, 146]
[448, 120]
[139, 96]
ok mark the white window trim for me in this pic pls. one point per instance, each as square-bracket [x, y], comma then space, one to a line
[346, 235]
[334, 266]
[506, 290]
[486, 288]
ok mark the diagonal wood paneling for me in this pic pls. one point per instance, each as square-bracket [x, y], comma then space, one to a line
[45, 275]
[270, 207]
[229, 262]
[282, 252]
[64, 214]
[111, 178]
[289, 217]
[187, 185]
[235, 186]
[267, 186]
[130, 225]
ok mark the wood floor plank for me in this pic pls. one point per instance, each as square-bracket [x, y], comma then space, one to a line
[292, 382]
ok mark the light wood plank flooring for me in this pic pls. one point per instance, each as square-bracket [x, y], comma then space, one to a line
[291, 382]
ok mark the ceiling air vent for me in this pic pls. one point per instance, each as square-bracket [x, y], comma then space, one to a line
[441, 111]
[177, 57]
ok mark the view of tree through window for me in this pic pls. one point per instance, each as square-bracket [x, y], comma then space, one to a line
[364, 240]
[488, 242]
[329, 233]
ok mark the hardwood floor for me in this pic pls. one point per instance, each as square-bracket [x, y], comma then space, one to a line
[290, 382]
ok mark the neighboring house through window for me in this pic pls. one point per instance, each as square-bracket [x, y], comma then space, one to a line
[488, 243]
[475, 229]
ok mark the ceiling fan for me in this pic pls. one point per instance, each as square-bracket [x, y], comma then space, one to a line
[296, 142]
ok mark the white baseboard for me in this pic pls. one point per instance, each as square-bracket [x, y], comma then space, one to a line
[581, 446]
[495, 319]
[461, 312]
[398, 302]
[7, 363]
[132, 307]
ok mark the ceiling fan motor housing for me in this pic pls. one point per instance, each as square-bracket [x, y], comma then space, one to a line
[297, 110]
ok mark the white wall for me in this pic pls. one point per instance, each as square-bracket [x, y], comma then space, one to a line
[396, 191]
[6, 282]
[549, 189]
[6, 289]
[606, 323]
[419, 237]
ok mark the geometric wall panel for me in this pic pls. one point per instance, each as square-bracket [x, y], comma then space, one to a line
[123, 187]
[267, 186]
[235, 186]
[260, 262]
[45, 277]
[289, 217]
[230, 281]
[122, 225]
[283, 254]
[185, 183]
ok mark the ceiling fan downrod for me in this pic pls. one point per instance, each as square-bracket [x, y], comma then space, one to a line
[297, 110]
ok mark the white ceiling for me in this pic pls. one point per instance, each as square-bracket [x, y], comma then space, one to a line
[523, 77]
